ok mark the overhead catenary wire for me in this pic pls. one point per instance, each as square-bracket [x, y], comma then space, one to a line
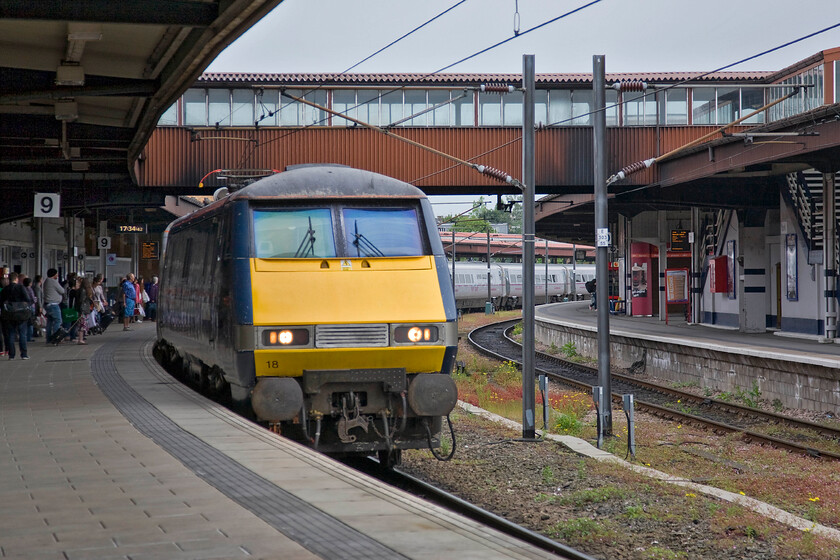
[641, 165]
[484, 169]
[246, 155]
[482, 51]
[670, 86]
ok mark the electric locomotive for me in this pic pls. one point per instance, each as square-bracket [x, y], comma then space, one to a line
[320, 299]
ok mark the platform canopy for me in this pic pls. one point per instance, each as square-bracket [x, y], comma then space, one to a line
[83, 83]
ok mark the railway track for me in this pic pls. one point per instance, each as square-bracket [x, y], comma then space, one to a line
[417, 487]
[722, 417]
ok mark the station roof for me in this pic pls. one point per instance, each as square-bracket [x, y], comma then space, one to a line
[83, 83]
[582, 79]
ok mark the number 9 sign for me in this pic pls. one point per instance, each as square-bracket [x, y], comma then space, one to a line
[47, 205]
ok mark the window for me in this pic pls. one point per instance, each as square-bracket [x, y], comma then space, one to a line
[513, 106]
[415, 102]
[392, 107]
[298, 233]
[464, 109]
[195, 107]
[489, 109]
[170, 116]
[559, 107]
[837, 81]
[581, 107]
[242, 113]
[752, 99]
[674, 106]
[218, 107]
[728, 105]
[344, 102]
[541, 106]
[612, 107]
[268, 102]
[703, 106]
[382, 232]
[441, 115]
[293, 113]
[368, 110]
[639, 108]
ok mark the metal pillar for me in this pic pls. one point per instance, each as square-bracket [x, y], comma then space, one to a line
[829, 255]
[453, 257]
[528, 351]
[489, 291]
[103, 252]
[602, 236]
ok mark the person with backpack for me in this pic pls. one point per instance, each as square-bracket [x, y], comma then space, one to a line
[591, 287]
[15, 309]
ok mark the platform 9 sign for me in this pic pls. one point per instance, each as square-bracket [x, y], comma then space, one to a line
[47, 205]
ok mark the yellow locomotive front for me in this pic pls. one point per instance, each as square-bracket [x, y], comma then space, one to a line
[354, 321]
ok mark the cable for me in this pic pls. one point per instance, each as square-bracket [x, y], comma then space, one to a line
[704, 74]
[683, 82]
[395, 41]
[246, 155]
[482, 51]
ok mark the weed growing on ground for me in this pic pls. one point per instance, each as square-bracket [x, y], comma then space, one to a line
[570, 350]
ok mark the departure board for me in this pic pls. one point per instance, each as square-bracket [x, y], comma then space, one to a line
[679, 240]
[150, 250]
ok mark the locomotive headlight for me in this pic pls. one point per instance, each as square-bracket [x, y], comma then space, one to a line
[284, 337]
[416, 334]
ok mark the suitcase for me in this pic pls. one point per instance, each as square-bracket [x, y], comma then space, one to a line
[105, 319]
[62, 333]
[59, 335]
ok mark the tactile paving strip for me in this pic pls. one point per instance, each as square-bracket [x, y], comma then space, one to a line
[310, 527]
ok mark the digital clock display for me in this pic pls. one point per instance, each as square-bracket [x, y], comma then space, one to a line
[133, 228]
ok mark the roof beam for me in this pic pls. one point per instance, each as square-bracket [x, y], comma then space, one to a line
[153, 12]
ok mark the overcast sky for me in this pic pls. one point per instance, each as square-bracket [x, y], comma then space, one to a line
[634, 35]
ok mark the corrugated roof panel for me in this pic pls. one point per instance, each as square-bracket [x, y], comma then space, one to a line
[469, 79]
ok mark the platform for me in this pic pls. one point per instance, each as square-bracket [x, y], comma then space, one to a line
[800, 372]
[104, 455]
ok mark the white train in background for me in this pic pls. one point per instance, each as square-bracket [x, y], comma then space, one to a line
[563, 283]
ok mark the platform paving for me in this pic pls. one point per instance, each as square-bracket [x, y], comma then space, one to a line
[101, 457]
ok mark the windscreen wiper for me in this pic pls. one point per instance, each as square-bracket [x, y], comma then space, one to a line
[307, 246]
[362, 243]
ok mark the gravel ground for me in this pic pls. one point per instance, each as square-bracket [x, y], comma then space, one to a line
[603, 510]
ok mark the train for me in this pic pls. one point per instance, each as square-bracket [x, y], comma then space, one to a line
[565, 282]
[319, 301]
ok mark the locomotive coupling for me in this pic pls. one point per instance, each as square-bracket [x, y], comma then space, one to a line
[277, 398]
[432, 394]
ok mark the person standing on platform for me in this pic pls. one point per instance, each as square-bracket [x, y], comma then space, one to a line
[139, 302]
[4, 351]
[153, 292]
[129, 296]
[15, 326]
[53, 294]
[591, 287]
[26, 282]
[37, 287]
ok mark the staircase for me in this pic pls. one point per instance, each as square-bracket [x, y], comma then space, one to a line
[805, 194]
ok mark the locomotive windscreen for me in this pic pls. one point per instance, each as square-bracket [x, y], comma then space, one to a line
[307, 233]
[382, 232]
[298, 233]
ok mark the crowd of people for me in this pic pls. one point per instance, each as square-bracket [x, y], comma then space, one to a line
[68, 311]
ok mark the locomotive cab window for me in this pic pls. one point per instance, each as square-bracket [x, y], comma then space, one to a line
[382, 232]
[297, 233]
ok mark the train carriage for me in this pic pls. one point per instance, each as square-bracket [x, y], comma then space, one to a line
[320, 299]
